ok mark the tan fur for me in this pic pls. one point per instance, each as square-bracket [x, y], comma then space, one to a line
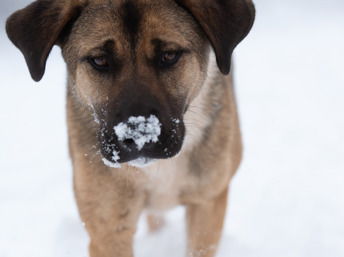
[110, 200]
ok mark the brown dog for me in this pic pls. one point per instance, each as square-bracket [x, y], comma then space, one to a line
[152, 119]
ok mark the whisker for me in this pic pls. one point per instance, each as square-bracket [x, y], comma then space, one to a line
[128, 176]
[194, 125]
[192, 135]
[132, 172]
[187, 147]
[157, 173]
[95, 155]
[193, 119]
[195, 122]
[80, 119]
[87, 142]
[195, 106]
[173, 161]
[199, 114]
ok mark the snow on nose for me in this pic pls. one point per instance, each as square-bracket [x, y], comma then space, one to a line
[139, 129]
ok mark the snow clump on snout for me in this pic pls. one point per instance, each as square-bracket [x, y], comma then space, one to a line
[114, 163]
[140, 129]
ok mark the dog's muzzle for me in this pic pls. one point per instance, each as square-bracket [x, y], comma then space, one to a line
[141, 140]
[139, 128]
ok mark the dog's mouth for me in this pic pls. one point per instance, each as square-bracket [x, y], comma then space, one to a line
[140, 141]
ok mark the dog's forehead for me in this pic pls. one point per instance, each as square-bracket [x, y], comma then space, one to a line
[129, 20]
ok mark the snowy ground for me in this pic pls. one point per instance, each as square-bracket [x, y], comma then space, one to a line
[287, 199]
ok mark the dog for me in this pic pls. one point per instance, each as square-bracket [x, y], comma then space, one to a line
[151, 111]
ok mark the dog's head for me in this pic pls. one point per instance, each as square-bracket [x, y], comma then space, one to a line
[137, 64]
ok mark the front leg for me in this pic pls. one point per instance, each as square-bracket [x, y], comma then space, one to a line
[205, 222]
[109, 206]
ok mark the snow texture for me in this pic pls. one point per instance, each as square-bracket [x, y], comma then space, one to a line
[139, 129]
[95, 117]
[142, 162]
[176, 121]
[287, 198]
[115, 159]
[111, 164]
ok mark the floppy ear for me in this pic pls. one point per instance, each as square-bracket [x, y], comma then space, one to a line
[225, 22]
[36, 28]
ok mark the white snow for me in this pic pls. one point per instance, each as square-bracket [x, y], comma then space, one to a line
[139, 129]
[114, 159]
[142, 162]
[114, 163]
[94, 114]
[176, 121]
[287, 198]
[95, 117]
[115, 156]
[111, 164]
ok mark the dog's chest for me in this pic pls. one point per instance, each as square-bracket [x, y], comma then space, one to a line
[165, 182]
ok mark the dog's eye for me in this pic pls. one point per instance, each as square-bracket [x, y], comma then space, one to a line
[100, 62]
[171, 57]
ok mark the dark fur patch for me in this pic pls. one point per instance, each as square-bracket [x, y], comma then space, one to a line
[131, 19]
[36, 28]
[216, 17]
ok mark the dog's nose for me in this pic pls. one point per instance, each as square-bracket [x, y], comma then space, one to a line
[138, 132]
[128, 144]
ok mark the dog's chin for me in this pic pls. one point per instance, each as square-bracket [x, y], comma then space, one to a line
[142, 162]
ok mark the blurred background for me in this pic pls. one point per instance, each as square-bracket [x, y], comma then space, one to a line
[287, 198]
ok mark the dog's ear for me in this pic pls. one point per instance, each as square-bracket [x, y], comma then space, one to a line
[36, 28]
[225, 22]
